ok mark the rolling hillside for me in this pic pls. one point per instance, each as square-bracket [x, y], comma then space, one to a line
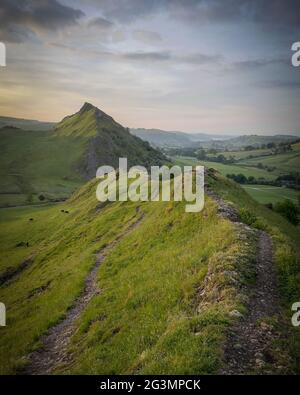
[283, 163]
[265, 165]
[236, 143]
[163, 296]
[137, 287]
[173, 139]
[26, 124]
[225, 168]
[54, 163]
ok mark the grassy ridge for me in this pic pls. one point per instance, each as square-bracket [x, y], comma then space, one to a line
[146, 318]
[286, 239]
[146, 321]
[64, 246]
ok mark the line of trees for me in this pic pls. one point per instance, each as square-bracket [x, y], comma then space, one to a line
[291, 180]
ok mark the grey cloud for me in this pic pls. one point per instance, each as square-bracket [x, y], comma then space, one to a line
[269, 12]
[21, 20]
[170, 57]
[147, 37]
[16, 34]
[280, 84]
[101, 23]
[109, 30]
[129, 10]
[200, 58]
[147, 57]
[118, 36]
[245, 65]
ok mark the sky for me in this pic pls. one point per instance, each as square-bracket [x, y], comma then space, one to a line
[209, 66]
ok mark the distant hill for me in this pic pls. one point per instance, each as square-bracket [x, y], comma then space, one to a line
[54, 163]
[257, 141]
[26, 124]
[174, 139]
[161, 138]
[240, 142]
[169, 139]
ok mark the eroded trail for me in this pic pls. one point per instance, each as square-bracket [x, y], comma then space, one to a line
[249, 341]
[54, 344]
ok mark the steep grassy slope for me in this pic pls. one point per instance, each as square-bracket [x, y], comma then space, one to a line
[146, 317]
[55, 163]
[107, 141]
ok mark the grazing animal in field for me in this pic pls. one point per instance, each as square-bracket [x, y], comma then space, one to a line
[20, 244]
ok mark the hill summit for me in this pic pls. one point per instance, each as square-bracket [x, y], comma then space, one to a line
[105, 141]
[90, 107]
[53, 163]
[84, 122]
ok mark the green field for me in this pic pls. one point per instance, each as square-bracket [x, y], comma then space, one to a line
[34, 163]
[226, 169]
[283, 163]
[242, 154]
[268, 194]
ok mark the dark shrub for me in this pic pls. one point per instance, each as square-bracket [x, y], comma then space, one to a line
[289, 210]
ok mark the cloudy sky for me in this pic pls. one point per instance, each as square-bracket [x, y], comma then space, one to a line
[191, 65]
